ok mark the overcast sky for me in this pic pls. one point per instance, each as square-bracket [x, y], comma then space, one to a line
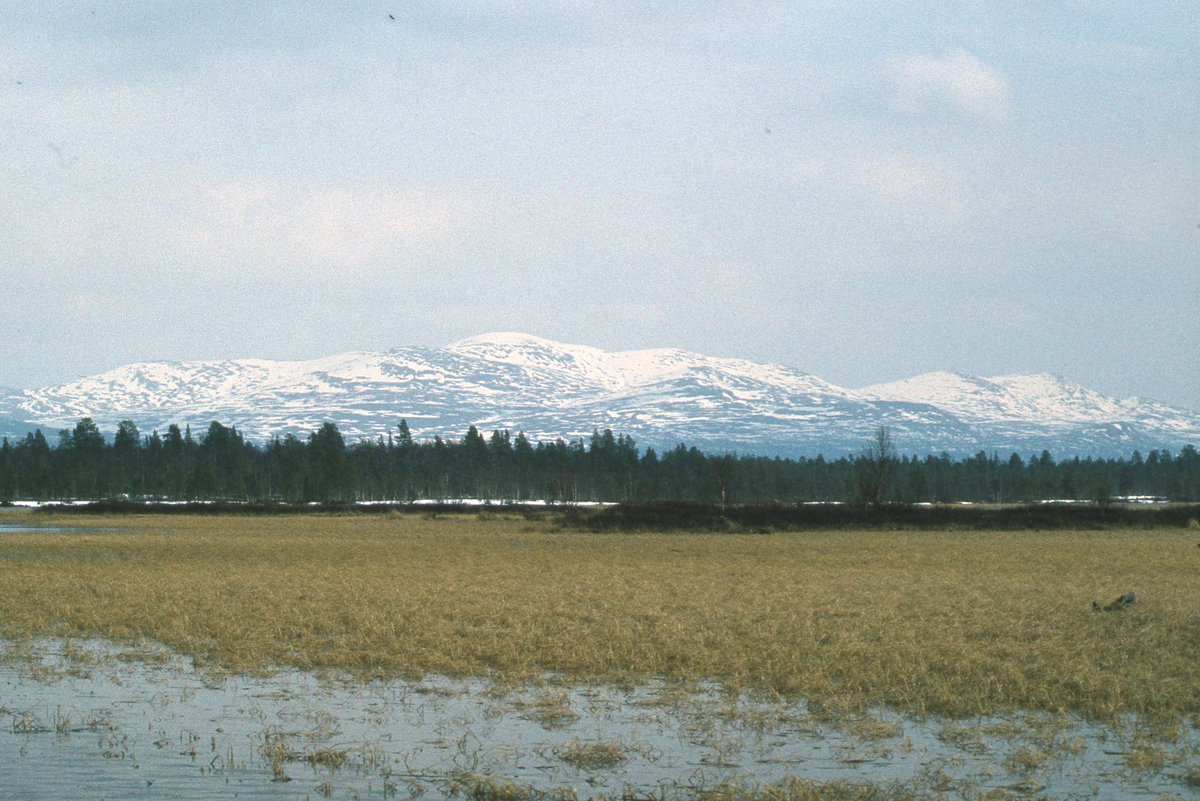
[864, 191]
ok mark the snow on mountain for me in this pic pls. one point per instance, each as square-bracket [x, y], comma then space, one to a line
[1008, 398]
[1023, 408]
[660, 397]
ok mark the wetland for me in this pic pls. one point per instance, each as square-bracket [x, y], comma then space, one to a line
[497, 656]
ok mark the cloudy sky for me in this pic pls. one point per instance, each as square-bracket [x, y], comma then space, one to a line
[862, 190]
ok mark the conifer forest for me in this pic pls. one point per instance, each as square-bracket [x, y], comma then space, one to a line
[220, 464]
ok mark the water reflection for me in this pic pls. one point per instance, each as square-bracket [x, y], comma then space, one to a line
[94, 720]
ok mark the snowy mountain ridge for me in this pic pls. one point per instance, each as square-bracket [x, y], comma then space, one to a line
[660, 397]
[1008, 397]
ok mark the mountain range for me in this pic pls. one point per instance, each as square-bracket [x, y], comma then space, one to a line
[660, 397]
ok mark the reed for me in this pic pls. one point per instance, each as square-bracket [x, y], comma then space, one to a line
[956, 623]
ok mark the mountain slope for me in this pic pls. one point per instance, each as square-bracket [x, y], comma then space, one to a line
[1023, 409]
[659, 397]
[1008, 398]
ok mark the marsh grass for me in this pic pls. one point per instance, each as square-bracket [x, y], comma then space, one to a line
[873, 727]
[28, 722]
[1146, 756]
[954, 623]
[482, 787]
[798, 789]
[552, 709]
[593, 756]
[1027, 758]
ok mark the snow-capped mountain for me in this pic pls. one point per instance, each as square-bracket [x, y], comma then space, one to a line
[1007, 398]
[659, 397]
[1025, 409]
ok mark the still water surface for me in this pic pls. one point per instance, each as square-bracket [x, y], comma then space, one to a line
[93, 720]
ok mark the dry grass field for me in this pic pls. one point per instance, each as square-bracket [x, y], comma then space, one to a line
[925, 622]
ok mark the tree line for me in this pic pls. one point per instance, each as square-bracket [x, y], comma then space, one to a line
[221, 464]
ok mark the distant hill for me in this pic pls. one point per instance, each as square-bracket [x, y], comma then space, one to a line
[659, 397]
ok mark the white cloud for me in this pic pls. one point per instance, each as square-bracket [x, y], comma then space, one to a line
[959, 77]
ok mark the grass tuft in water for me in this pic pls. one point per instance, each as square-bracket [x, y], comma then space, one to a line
[598, 755]
[1146, 756]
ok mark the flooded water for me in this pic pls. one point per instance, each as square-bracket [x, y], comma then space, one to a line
[21, 528]
[97, 721]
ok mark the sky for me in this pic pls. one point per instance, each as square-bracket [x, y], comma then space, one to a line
[865, 191]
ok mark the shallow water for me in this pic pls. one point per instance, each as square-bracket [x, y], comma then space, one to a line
[22, 528]
[93, 720]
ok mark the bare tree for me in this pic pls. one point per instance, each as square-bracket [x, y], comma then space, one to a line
[1100, 488]
[725, 470]
[874, 469]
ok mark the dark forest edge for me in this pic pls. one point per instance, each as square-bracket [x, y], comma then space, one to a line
[759, 518]
[220, 465]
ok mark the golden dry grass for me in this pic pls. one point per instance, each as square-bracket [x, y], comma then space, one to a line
[943, 622]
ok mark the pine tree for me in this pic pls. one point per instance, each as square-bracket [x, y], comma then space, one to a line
[127, 457]
[403, 435]
[327, 456]
[8, 472]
